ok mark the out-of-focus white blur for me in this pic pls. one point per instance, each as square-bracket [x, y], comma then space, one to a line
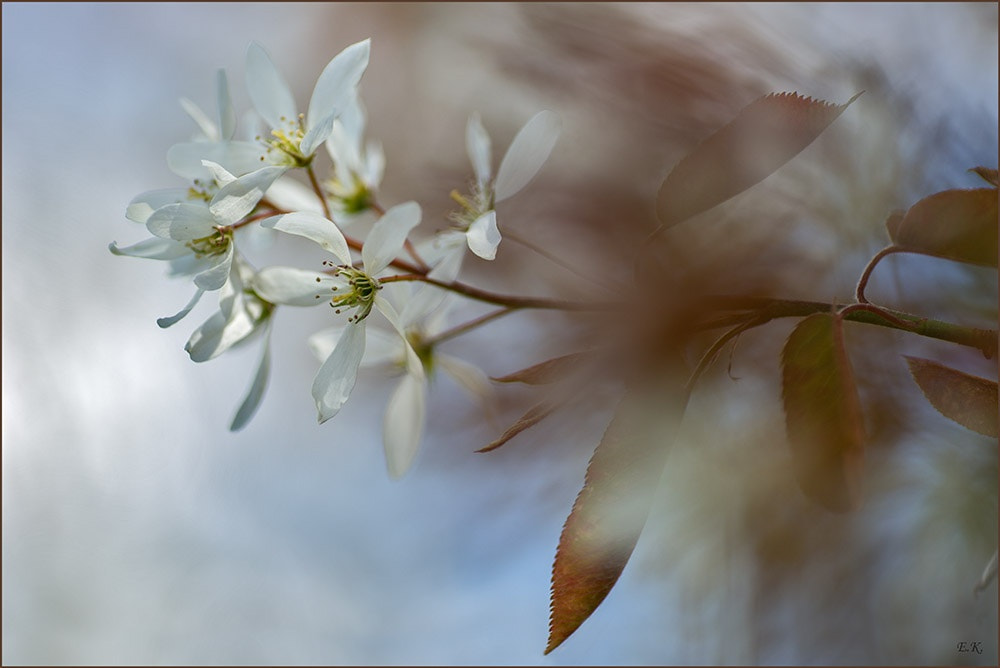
[137, 529]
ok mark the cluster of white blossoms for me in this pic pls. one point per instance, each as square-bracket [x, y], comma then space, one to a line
[235, 183]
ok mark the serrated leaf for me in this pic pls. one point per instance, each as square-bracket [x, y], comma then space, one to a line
[988, 174]
[610, 511]
[823, 413]
[765, 135]
[534, 415]
[545, 372]
[958, 225]
[970, 401]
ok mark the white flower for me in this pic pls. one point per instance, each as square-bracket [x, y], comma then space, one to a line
[357, 168]
[405, 414]
[215, 143]
[294, 137]
[524, 157]
[346, 287]
[195, 236]
[241, 313]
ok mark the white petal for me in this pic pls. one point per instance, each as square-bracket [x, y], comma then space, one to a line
[267, 88]
[338, 83]
[527, 153]
[315, 227]
[294, 287]
[181, 222]
[388, 235]
[252, 400]
[152, 249]
[336, 377]
[291, 195]
[227, 115]
[143, 205]
[237, 199]
[483, 236]
[316, 135]
[469, 376]
[427, 298]
[477, 144]
[205, 124]
[403, 424]
[219, 173]
[218, 334]
[215, 276]
[238, 157]
[381, 349]
[374, 166]
[174, 319]
[413, 363]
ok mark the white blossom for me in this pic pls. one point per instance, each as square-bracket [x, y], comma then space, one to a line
[525, 156]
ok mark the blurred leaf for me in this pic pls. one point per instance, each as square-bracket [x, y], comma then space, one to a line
[823, 413]
[610, 511]
[534, 415]
[954, 224]
[989, 175]
[968, 400]
[988, 576]
[893, 222]
[545, 372]
[765, 135]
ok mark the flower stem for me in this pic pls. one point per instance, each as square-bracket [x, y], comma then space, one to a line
[469, 326]
[319, 192]
[509, 301]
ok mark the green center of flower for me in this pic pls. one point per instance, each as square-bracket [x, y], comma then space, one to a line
[352, 197]
[214, 244]
[423, 348]
[284, 147]
[359, 293]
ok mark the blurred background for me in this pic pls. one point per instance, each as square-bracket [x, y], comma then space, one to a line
[137, 529]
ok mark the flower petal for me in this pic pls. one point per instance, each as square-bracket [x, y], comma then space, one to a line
[201, 119]
[403, 424]
[483, 236]
[337, 83]
[219, 173]
[293, 287]
[427, 298]
[238, 157]
[253, 398]
[290, 195]
[152, 249]
[388, 235]
[316, 135]
[336, 377]
[227, 115]
[473, 379]
[315, 227]
[477, 144]
[527, 153]
[218, 334]
[267, 88]
[381, 348]
[238, 198]
[174, 319]
[215, 276]
[143, 205]
[181, 222]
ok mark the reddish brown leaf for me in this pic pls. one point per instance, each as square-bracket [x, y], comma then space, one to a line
[610, 511]
[765, 135]
[545, 372]
[970, 401]
[534, 415]
[954, 224]
[823, 413]
[989, 175]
